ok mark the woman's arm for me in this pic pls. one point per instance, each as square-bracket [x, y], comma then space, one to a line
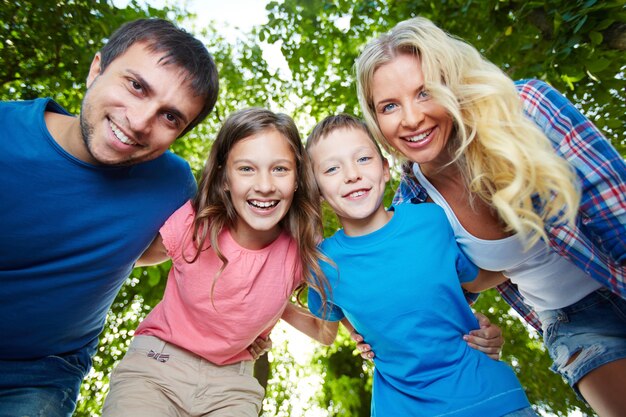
[318, 329]
[600, 169]
[484, 280]
[156, 253]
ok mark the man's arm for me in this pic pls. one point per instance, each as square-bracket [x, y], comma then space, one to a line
[155, 254]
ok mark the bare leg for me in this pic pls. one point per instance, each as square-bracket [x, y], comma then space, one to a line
[603, 388]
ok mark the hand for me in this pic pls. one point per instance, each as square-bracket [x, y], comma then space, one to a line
[362, 347]
[259, 347]
[487, 339]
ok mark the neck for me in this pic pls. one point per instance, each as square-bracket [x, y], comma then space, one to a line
[446, 175]
[369, 224]
[65, 130]
[254, 239]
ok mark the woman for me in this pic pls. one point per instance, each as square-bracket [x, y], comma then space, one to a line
[529, 185]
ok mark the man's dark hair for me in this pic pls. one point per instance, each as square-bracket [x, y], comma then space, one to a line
[179, 48]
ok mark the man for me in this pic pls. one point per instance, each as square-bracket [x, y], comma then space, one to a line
[82, 197]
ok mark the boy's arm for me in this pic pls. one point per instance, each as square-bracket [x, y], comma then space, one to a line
[321, 330]
[154, 254]
[484, 280]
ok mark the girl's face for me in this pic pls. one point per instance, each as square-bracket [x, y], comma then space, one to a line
[411, 121]
[261, 179]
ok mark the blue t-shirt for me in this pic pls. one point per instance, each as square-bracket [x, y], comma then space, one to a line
[70, 232]
[399, 287]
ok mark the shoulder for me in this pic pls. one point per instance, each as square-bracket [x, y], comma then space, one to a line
[330, 243]
[169, 174]
[174, 162]
[424, 211]
[181, 218]
[539, 96]
[175, 227]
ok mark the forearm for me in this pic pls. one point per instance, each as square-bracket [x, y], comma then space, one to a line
[318, 329]
[484, 281]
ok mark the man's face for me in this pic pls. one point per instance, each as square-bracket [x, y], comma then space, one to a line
[134, 109]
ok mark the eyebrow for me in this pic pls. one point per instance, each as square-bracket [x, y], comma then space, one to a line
[150, 90]
[386, 100]
[252, 162]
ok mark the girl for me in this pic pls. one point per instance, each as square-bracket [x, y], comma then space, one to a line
[510, 188]
[239, 250]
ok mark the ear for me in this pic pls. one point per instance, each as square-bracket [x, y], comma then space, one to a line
[94, 69]
[386, 171]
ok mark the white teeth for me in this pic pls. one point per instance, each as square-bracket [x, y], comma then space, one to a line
[120, 135]
[263, 204]
[419, 137]
[356, 194]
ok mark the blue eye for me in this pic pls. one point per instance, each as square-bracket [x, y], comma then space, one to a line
[364, 159]
[330, 170]
[423, 94]
[389, 107]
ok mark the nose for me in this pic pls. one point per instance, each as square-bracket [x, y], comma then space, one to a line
[140, 118]
[264, 183]
[351, 174]
[412, 116]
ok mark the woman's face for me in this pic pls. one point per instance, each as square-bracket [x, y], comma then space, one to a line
[410, 119]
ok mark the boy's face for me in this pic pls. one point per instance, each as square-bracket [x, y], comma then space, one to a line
[351, 176]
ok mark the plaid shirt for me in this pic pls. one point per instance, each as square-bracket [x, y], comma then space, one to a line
[597, 242]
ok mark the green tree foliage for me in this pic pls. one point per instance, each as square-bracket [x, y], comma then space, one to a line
[46, 46]
[575, 45]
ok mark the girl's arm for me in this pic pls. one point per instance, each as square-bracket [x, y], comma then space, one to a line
[484, 280]
[154, 254]
[318, 329]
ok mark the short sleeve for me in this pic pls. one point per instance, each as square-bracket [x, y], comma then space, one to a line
[466, 270]
[329, 313]
[177, 227]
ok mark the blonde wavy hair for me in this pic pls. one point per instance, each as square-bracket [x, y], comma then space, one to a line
[504, 158]
[215, 210]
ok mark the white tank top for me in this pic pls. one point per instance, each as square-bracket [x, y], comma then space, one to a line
[546, 280]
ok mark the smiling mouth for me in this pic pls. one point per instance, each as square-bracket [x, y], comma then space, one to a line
[263, 205]
[419, 138]
[355, 194]
[120, 135]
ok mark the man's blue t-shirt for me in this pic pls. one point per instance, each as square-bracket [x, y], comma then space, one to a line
[399, 287]
[70, 232]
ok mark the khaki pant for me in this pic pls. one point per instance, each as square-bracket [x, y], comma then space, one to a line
[157, 379]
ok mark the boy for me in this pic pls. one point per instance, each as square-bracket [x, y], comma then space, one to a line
[396, 278]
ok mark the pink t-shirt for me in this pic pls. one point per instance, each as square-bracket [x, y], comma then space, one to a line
[248, 298]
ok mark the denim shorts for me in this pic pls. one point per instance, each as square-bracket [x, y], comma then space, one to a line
[594, 326]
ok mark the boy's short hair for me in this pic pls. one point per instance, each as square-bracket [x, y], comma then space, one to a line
[336, 122]
[178, 47]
